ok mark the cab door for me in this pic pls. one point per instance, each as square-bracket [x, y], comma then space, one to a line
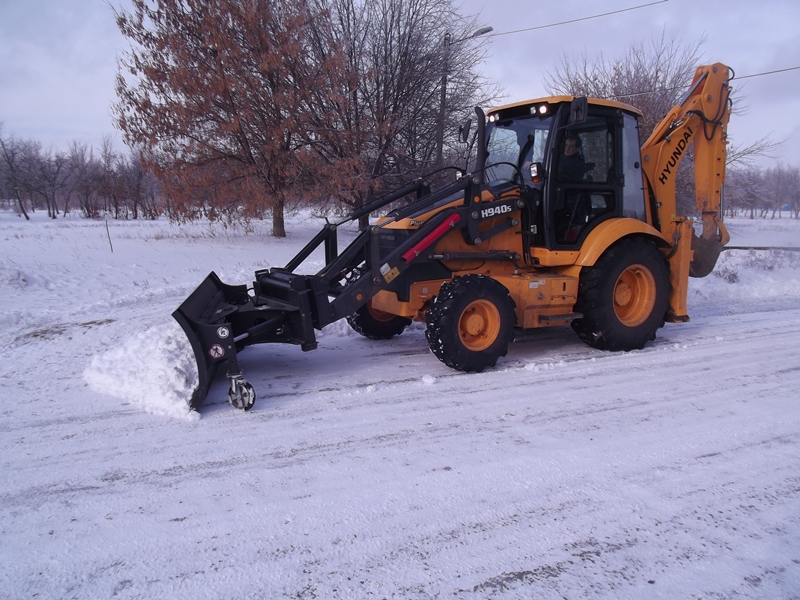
[584, 187]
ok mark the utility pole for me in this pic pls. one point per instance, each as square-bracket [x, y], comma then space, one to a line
[442, 99]
[443, 91]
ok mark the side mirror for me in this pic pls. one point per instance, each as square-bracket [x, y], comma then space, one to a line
[463, 131]
[578, 110]
[537, 172]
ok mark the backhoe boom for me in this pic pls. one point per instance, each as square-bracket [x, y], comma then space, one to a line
[698, 123]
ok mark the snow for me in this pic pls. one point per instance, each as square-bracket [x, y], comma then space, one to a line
[370, 469]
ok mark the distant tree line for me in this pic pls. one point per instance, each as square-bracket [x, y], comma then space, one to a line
[107, 183]
[94, 184]
[243, 108]
[767, 193]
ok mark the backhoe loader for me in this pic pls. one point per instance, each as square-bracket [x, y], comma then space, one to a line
[565, 218]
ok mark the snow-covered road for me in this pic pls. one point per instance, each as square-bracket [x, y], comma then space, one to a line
[369, 469]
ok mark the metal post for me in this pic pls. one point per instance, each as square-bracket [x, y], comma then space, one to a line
[442, 98]
[443, 91]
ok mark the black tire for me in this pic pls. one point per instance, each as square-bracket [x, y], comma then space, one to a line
[623, 297]
[471, 323]
[376, 324]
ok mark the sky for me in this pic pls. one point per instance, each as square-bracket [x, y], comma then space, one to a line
[58, 58]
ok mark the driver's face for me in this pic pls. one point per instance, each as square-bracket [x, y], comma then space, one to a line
[571, 147]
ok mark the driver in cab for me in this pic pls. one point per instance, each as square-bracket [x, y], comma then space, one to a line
[572, 165]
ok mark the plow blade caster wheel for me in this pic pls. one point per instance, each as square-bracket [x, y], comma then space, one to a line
[241, 395]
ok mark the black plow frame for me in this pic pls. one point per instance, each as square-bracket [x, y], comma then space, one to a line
[285, 307]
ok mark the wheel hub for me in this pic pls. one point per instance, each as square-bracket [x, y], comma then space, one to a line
[479, 325]
[475, 324]
[622, 294]
[634, 295]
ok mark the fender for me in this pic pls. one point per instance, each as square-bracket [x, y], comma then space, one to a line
[611, 231]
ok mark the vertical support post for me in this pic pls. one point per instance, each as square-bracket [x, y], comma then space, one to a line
[442, 101]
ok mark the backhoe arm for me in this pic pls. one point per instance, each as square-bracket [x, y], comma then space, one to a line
[701, 118]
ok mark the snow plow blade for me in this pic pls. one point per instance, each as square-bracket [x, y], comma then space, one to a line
[203, 318]
[220, 319]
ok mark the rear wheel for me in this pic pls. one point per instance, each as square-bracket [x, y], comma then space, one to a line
[624, 297]
[471, 323]
[376, 324]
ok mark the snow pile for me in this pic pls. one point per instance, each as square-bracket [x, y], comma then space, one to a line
[750, 275]
[13, 276]
[338, 328]
[154, 369]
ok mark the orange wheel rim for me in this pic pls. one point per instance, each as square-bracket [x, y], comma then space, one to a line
[479, 325]
[634, 295]
[379, 315]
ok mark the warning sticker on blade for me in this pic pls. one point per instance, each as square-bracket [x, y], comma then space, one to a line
[391, 275]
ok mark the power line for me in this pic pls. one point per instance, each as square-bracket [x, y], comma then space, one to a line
[614, 12]
[679, 87]
[767, 73]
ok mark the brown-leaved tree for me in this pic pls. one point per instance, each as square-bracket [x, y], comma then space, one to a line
[241, 105]
[220, 96]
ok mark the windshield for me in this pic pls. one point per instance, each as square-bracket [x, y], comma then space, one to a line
[519, 142]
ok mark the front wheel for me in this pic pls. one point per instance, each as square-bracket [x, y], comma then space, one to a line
[471, 323]
[623, 297]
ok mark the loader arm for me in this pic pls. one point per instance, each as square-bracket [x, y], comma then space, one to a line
[700, 119]
[286, 307]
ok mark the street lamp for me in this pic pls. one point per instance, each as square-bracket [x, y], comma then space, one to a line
[442, 98]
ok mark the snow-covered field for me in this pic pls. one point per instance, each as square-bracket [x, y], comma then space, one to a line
[369, 469]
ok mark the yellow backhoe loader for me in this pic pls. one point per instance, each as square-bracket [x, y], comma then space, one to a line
[566, 218]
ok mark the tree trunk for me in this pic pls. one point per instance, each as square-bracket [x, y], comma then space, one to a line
[21, 207]
[278, 224]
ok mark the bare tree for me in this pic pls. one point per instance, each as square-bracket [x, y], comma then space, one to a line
[113, 182]
[12, 156]
[140, 188]
[782, 185]
[793, 190]
[85, 175]
[398, 55]
[108, 180]
[747, 157]
[52, 174]
[649, 76]
[746, 190]
[652, 77]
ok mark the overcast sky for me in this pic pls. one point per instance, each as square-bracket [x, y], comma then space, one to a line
[58, 57]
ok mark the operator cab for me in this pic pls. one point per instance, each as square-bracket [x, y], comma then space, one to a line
[585, 155]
